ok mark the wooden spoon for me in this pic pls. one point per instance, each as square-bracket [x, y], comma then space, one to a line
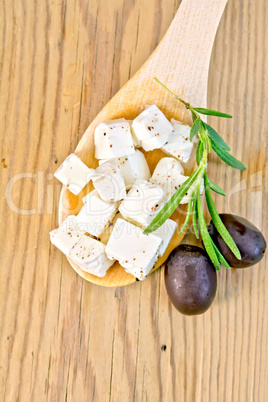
[181, 62]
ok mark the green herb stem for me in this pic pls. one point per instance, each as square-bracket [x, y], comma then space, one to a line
[209, 140]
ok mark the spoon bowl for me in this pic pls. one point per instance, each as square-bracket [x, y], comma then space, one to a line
[181, 62]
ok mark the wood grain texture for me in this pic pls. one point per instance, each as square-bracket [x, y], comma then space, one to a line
[61, 337]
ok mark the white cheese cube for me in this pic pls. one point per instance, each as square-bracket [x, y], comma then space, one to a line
[179, 145]
[113, 139]
[181, 128]
[168, 174]
[135, 251]
[109, 182]
[96, 214]
[166, 232]
[136, 142]
[101, 161]
[151, 128]
[66, 235]
[151, 144]
[90, 255]
[142, 203]
[74, 174]
[134, 167]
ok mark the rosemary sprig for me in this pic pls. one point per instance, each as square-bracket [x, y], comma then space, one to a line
[208, 139]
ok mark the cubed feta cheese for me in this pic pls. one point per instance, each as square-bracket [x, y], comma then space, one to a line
[67, 234]
[142, 203]
[166, 232]
[135, 251]
[101, 161]
[151, 128]
[90, 255]
[178, 144]
[134, 167]
[109, 182]
[95, 214]
[136, 142]
[113, 139]
[74, 174]
[181, 128]
[168, 174]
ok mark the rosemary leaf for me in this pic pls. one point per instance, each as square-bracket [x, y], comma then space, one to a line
[216, 137]
[199, 152]
[221, 259]
[206, 237]
[227, 238]
[187, 216]
[209, 144]
[194, 218]
[172, 204]
[213, 186]
[210, 112]
[195, 128]
[227, 158]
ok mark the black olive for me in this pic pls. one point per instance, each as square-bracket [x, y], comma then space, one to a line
[246, 236]
[191, 279]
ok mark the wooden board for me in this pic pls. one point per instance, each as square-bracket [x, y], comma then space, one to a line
[64, 338]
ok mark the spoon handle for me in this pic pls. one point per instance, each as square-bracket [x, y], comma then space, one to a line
[182, 58]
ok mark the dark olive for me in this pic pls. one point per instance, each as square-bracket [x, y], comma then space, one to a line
[247, 237]
[191, 279]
